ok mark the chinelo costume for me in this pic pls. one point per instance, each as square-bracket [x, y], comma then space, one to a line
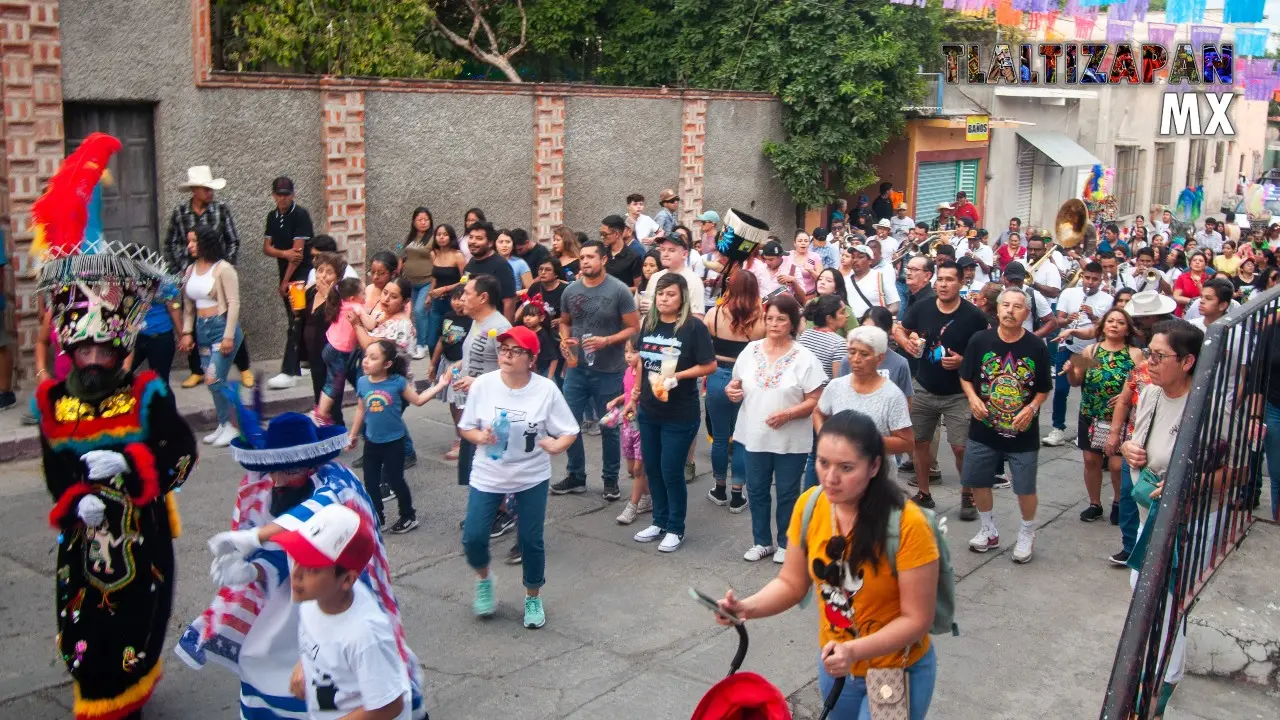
[114, 448]
[251, 627]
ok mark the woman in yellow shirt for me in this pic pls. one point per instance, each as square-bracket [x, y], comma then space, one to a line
[868, 617]
[1228, 263]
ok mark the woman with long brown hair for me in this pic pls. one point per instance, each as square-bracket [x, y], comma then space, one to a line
[735, 321]
[565, 248]
[319, 312]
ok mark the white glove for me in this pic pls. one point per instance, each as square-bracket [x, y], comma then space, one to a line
[91, 510]
[232, 571]
[239, 542]
[104, 464]
[670, 383]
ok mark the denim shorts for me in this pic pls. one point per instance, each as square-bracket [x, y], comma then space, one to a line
[982, 463]
[335, 369]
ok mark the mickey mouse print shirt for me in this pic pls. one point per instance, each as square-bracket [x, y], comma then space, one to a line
[856, 602]
[535, 411]
[350, 660]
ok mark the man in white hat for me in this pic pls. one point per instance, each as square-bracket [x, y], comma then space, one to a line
[945, 220]
[870, 288]
[900, 224]
[884, 230]
[203, 210]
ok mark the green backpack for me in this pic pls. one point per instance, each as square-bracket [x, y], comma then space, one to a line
[944, 611]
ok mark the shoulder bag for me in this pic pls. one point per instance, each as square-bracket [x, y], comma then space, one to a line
[1147, 479]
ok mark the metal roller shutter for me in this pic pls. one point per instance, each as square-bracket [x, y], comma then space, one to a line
[935, 184]
[968, 179]
[1026, 176]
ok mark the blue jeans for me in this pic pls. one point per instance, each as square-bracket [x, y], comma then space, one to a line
[209, 332]
[482, 507]
[665, 447]
[766, 469]
[903, 293]
[1061, 388]
[585, 389]
[811, 467]
[335, 371]
[1128, 510]
[435, 321]
[852, 704]
[420, 314]
[1272, 449]
[722, 415]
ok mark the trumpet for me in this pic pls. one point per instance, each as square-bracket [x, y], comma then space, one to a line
[928, 247]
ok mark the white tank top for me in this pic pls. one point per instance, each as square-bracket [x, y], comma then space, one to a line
[200, 289]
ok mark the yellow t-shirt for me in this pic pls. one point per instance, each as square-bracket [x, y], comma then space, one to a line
[865, 600]
[1226, 265]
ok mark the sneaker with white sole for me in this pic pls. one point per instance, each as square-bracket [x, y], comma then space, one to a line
[283, 381]
[780, 555]
[645, 505]
[484, 604]
[758, 553]
[534, 615]
[1055, 438]
[1026, 546]
[228, 433]
[629, 514]
[418, 353]
[648, 535]
[988, 538]
[670, 542]
[213, 435]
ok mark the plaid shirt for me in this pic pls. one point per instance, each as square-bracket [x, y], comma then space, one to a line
[184, 220]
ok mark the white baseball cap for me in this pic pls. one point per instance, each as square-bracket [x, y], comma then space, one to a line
[335, 536]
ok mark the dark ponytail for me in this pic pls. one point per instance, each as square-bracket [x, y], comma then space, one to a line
[398, 361]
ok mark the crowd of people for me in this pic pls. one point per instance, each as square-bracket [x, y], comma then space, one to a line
[822, 369]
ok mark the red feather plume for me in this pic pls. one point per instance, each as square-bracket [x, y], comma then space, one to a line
[59, 217]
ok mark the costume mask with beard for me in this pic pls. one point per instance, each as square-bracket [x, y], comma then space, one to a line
[94, 381]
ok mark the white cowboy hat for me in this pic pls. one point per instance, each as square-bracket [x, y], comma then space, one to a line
[1147, 304]
[945, 206]
[884, 223]
[202, 176]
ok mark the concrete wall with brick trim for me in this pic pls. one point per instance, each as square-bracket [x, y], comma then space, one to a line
[735, 171]
[344, 171]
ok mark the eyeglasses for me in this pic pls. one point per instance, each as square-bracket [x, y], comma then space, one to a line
[1158, 357]
[509, 351]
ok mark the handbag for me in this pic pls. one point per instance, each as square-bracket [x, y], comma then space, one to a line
[887, 697]
[1099, 431]
[1147, 479]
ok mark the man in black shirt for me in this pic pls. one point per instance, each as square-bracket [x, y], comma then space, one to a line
[485, 261]
[882, 206]
[624, 262]
[528, 249]
[286, 238]
[936, 331]
[1006, 378]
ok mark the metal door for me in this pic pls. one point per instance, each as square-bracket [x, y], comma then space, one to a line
[129, 202]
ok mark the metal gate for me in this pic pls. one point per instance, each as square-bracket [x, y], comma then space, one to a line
[938, 182]
[1026, 176]
[129, 212]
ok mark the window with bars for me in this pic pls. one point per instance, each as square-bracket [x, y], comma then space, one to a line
[1196, 161]
[1126, 179]
[1163, 174]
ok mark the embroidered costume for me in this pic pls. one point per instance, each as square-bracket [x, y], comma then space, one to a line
[251, 627]
[114, 447]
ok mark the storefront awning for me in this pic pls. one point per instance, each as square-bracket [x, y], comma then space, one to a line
[1062, 150]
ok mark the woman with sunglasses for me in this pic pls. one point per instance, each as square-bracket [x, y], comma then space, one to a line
[868, 616]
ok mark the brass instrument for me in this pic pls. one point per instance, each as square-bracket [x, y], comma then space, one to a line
[1074, 279]
[928, 247]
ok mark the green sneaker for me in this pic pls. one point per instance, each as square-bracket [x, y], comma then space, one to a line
[485, 604]
[534, 617]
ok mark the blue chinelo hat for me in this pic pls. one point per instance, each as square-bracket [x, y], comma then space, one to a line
[291, 442]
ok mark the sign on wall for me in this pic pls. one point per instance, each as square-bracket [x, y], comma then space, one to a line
[977, 128]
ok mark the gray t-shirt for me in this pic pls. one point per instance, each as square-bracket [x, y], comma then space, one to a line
[887, 406]
[480, 351]
[893, 366]
[598, 310]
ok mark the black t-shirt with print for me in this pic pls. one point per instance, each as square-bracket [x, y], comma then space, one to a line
[550, 298]
[693, 340]
[497, 266]
[941, 332]
[1006, 376]
[452, 332]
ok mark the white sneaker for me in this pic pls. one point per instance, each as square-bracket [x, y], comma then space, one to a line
[213, 435]
[645, 505]
[758, 553]
[647, 535]
[780, 556]
[419, 352]
[670, 543]
[988, 538]
[283, 381]
[1055, 438]
[1026, 546]
[227, 434]
[628, 515]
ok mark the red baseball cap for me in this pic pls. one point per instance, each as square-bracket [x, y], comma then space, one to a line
[335, 536]
[524, 337]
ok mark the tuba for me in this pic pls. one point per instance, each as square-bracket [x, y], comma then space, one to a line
[1070, 229]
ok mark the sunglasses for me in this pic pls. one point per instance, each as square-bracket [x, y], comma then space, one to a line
[829, 571]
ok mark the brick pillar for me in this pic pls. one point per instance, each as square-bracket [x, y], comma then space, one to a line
[345, 170]
[201, 45]
[31, 91]
[548, 166]
[691, 156]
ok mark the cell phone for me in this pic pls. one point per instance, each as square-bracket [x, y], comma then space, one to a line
[714, 607]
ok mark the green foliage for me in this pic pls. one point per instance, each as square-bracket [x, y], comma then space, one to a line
[340, 37]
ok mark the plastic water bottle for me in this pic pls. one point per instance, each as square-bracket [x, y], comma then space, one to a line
[502, 430]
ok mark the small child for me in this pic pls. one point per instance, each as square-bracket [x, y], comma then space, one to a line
[640, 501]
[534, 316]
[340, 342]
[448, 351]
[350, 663]
[383, 390]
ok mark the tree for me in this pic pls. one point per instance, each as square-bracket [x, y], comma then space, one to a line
[492, 54]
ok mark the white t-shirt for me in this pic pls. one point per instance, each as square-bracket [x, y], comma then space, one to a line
[888, 246]
[350, 660]
[535, 411]
[645, 228]
[770, 388]
[1070, 302]
[1048, 275]
[879, 288]
[1157, 441]
[350, 273]
[984, 254]
[697, 294]
[899, 227]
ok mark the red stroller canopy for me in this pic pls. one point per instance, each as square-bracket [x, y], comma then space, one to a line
[743, 696]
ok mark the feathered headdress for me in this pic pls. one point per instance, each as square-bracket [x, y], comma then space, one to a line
[100, 292]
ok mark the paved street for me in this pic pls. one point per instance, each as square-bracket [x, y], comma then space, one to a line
[622, 638]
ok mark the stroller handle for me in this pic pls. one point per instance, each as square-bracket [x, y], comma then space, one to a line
[830, 703]
[743, 643]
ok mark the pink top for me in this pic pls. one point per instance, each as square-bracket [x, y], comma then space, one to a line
[628, 381]
[1004, 257]
[808, 282]
[340, 333]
